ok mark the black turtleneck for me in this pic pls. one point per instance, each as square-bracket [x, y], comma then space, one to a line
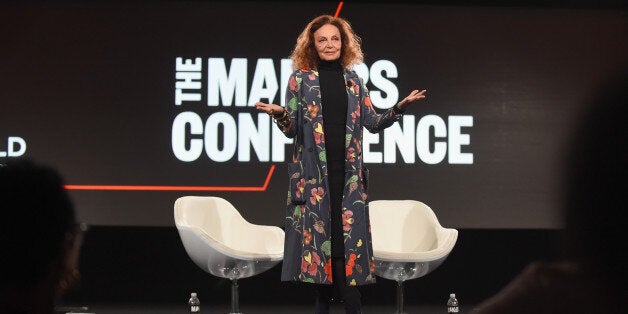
[334, 107]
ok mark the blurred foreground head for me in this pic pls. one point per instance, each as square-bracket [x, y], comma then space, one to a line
[595, 174]
[38, 236]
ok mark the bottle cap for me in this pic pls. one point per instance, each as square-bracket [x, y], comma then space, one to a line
[193, 294]
[452, 295]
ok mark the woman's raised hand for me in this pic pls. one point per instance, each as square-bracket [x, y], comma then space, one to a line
[414, 96]
[271, 109]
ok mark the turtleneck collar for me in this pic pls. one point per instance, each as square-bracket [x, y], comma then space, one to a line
[329, 65]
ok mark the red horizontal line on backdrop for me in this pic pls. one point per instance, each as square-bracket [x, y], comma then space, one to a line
[174, 187]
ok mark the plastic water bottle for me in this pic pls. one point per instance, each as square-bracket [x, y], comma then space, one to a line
[452, 304]
[195, 303]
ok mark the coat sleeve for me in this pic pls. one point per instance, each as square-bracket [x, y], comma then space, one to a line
[370, 119]
[292, 104]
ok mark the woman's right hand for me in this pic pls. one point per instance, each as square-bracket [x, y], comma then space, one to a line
[271, 109]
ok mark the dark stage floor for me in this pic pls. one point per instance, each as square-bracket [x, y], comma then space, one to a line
[252, 309]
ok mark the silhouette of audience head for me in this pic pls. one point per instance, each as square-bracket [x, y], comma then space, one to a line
[594, 172]
[590, 278]
[38, 238]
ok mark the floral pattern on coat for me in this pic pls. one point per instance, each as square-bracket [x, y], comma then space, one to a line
[307, 251]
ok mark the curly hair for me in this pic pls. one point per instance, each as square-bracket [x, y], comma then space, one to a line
[304, 55]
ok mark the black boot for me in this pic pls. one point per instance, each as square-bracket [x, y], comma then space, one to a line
[324, 295]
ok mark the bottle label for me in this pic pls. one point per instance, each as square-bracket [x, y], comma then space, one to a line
[452, 309]
[195, 309]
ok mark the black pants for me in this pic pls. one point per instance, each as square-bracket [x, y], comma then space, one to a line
[349, 295]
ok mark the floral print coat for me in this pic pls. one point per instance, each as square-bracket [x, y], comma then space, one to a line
[307, 251]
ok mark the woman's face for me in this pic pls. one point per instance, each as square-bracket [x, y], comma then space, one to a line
[327, 42]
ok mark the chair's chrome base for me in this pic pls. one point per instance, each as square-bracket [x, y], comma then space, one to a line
[235, 297]
[400, 308]
[225, 267]
[402, 271]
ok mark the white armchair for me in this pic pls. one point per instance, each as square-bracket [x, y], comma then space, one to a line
[408, 241]
[221, 242]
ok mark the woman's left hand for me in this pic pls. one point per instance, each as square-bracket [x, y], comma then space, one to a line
[414, 96]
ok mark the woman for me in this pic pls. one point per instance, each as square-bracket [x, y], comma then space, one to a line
[328, 238]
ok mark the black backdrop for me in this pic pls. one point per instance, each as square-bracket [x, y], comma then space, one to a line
[90, 88]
